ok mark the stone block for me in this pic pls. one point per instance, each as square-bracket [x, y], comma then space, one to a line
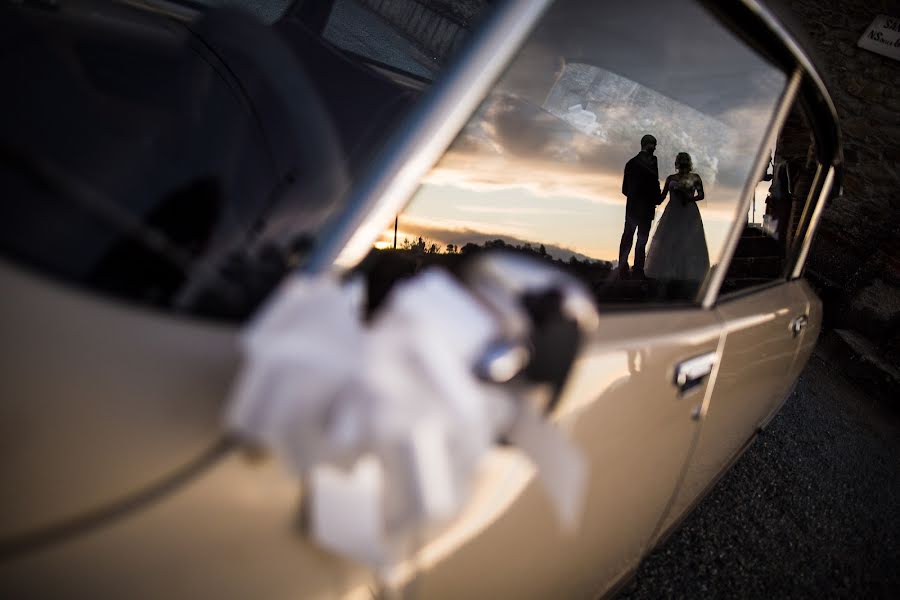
[854, 124]
[892, 154]
[864, 363]
[846, 49]
[887, 259]
[882, 175]
[843, 35]
[885, 116]
[892, 102]
[871, 91]
[876, 310]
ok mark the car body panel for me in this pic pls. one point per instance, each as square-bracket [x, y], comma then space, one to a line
[231, 533]
[751, 382]
[622, 409]
[100, 399]
[810, 334]
[246, 514]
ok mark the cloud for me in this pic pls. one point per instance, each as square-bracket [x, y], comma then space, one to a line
[548, 179]
[577, 142]
[676, 48]
[473, 178]
[513, 174]
[551, 169]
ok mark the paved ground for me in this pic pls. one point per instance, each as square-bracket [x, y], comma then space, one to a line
[811, 510]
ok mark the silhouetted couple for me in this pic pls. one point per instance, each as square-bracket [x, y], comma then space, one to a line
[678, 250]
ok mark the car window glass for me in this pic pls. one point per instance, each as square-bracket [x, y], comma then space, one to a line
[267, 11]
[540, 168]
[194, 158]
[415, 36]
[773, 221]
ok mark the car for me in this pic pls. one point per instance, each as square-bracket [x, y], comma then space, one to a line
[168, 166]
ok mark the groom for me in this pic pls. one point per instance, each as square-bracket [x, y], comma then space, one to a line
[641, 186]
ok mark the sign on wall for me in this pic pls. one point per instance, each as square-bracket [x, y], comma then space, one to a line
[882, 37]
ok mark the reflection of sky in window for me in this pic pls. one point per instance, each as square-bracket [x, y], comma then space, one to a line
[542, 160]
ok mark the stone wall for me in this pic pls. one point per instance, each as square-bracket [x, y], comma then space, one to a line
[856, 256]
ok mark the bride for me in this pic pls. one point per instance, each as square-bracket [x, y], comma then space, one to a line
[678, 249]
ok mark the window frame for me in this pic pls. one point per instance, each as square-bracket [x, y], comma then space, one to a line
[825, 178]
[766, 34]
[820, 192]
[709, 294]
[795, 261]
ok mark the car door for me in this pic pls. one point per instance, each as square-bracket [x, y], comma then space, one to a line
[771, 317]
[629, 420]
[537, 170]
[753, 377]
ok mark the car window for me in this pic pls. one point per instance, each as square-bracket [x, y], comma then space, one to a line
[540, 168]
[194, 159]
[774, 219]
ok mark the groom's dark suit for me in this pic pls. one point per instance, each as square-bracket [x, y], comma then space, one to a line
[641, 186]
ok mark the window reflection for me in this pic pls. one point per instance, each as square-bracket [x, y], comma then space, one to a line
[540, 166]
[774, 217]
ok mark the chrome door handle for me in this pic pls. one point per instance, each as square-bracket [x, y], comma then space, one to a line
[691, 373]
[798, 324]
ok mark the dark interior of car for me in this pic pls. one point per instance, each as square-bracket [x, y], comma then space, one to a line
[181, 165]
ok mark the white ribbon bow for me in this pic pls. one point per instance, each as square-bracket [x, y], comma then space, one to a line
[386, 422]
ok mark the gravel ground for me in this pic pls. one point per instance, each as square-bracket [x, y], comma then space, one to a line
[811, 510]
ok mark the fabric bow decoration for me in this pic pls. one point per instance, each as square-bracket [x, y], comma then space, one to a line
[386, 421]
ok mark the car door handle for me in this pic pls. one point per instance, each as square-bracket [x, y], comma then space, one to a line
[691, 372]
[798, 324]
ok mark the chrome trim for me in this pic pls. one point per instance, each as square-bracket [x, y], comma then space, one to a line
[813, 224]
[395, 175]
[690, 373]
[809, 207]
[810, 203]
[798, 324]
[714, 282]
[707, 394]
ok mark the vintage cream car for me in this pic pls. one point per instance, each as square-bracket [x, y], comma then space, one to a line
[164, 166]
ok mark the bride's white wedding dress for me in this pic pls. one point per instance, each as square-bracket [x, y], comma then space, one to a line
[678, 249]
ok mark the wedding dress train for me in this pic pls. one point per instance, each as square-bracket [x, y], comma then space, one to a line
[678, 249]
